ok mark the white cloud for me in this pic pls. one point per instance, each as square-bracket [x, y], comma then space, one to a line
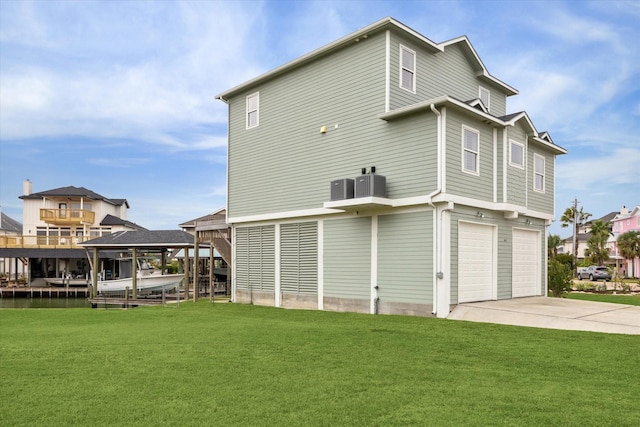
[602, 172]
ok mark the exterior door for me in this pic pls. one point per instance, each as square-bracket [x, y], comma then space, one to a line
[476, 262]
[526, 264]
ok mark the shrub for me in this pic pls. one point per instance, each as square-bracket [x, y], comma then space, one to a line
[560, 278]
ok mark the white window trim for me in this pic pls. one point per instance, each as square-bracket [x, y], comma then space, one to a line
[463, 149]
[257, 110]
[484, 89]
[535, 173]
[401, 68]
[511, 162]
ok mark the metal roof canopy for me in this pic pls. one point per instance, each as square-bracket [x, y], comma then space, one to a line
[142, 239]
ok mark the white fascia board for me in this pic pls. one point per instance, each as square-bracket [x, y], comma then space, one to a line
[442, 100]
[484, 73]
[511, 211]
[282, 215]
[555, 148]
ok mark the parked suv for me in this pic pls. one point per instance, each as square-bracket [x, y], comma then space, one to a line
[595, 273]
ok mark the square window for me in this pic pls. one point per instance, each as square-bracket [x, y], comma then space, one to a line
[407, 69]
[538, 173]
[253, 108]
[470, 150]
[516, 154]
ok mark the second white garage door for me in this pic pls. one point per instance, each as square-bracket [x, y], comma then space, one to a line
[476, 262]
[526, 266]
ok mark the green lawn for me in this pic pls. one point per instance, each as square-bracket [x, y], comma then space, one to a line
[618, 299]
[230, 364]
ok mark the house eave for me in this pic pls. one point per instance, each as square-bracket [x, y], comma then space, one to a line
[354, 37]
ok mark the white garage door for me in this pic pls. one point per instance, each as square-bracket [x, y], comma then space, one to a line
[476, 262]
[526, 264]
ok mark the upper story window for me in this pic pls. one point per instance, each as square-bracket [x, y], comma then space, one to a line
[538, 172]
[253, 109]
[470, 150]
[516, 154]
[407, 69]
[485, 97]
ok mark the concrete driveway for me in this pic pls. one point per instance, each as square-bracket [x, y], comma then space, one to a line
[553, 313]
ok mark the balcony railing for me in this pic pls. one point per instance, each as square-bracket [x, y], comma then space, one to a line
[43, 242]
[67, 216]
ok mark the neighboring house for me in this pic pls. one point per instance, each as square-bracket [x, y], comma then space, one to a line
[56, 221]
[584, 233]
[623, 222]
[10, 229]
[382, 174]
[211, 229]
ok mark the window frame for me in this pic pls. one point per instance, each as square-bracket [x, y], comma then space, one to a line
[476, 132]
[488, 92]
[511, 162]
[248, 111]
[536, 173]
[412, 71]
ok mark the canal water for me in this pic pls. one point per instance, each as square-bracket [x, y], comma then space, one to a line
[27, 302]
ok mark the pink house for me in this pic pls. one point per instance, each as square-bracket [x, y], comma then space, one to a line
[621, 223]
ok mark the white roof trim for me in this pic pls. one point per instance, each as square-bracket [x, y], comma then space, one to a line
[484, 73]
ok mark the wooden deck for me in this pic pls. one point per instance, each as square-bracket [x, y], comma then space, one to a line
[42, 292]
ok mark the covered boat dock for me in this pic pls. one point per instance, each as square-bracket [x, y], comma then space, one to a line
[140, 243]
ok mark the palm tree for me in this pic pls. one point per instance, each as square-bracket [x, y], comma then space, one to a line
[629, 246]
[575, 217]
[552, 245]
[597, 250]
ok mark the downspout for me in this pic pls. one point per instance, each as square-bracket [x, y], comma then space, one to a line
[430, 197]
[439, 275]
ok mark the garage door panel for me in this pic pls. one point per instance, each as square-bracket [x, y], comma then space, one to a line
[526, 263]
[476, 265]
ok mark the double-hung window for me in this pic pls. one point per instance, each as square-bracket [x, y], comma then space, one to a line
[470, 150]
[407, 69]
[253, 108]
[538, 173]
[516, 154]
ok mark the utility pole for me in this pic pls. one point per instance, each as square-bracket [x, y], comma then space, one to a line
[575, 231]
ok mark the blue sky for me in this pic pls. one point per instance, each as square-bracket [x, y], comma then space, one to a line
[118, 97]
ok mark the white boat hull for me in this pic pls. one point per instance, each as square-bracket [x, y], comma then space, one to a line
[143, 283]
[67, 282]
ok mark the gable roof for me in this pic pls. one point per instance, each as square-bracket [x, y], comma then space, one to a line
[72, 191]
[466, 46]
[10, 225]
[212, 216]
[363, 33]
[114, 220]
[508, 120]
[142, 239]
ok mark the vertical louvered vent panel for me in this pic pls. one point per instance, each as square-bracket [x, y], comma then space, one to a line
[299, 258]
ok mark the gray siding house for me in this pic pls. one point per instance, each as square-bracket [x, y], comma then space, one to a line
[382, 174]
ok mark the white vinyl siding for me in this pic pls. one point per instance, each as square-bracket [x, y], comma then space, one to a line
[253, 108]
[407, 69]
[516, 154]
[485, 97]
[538, 173]
[470, 150]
